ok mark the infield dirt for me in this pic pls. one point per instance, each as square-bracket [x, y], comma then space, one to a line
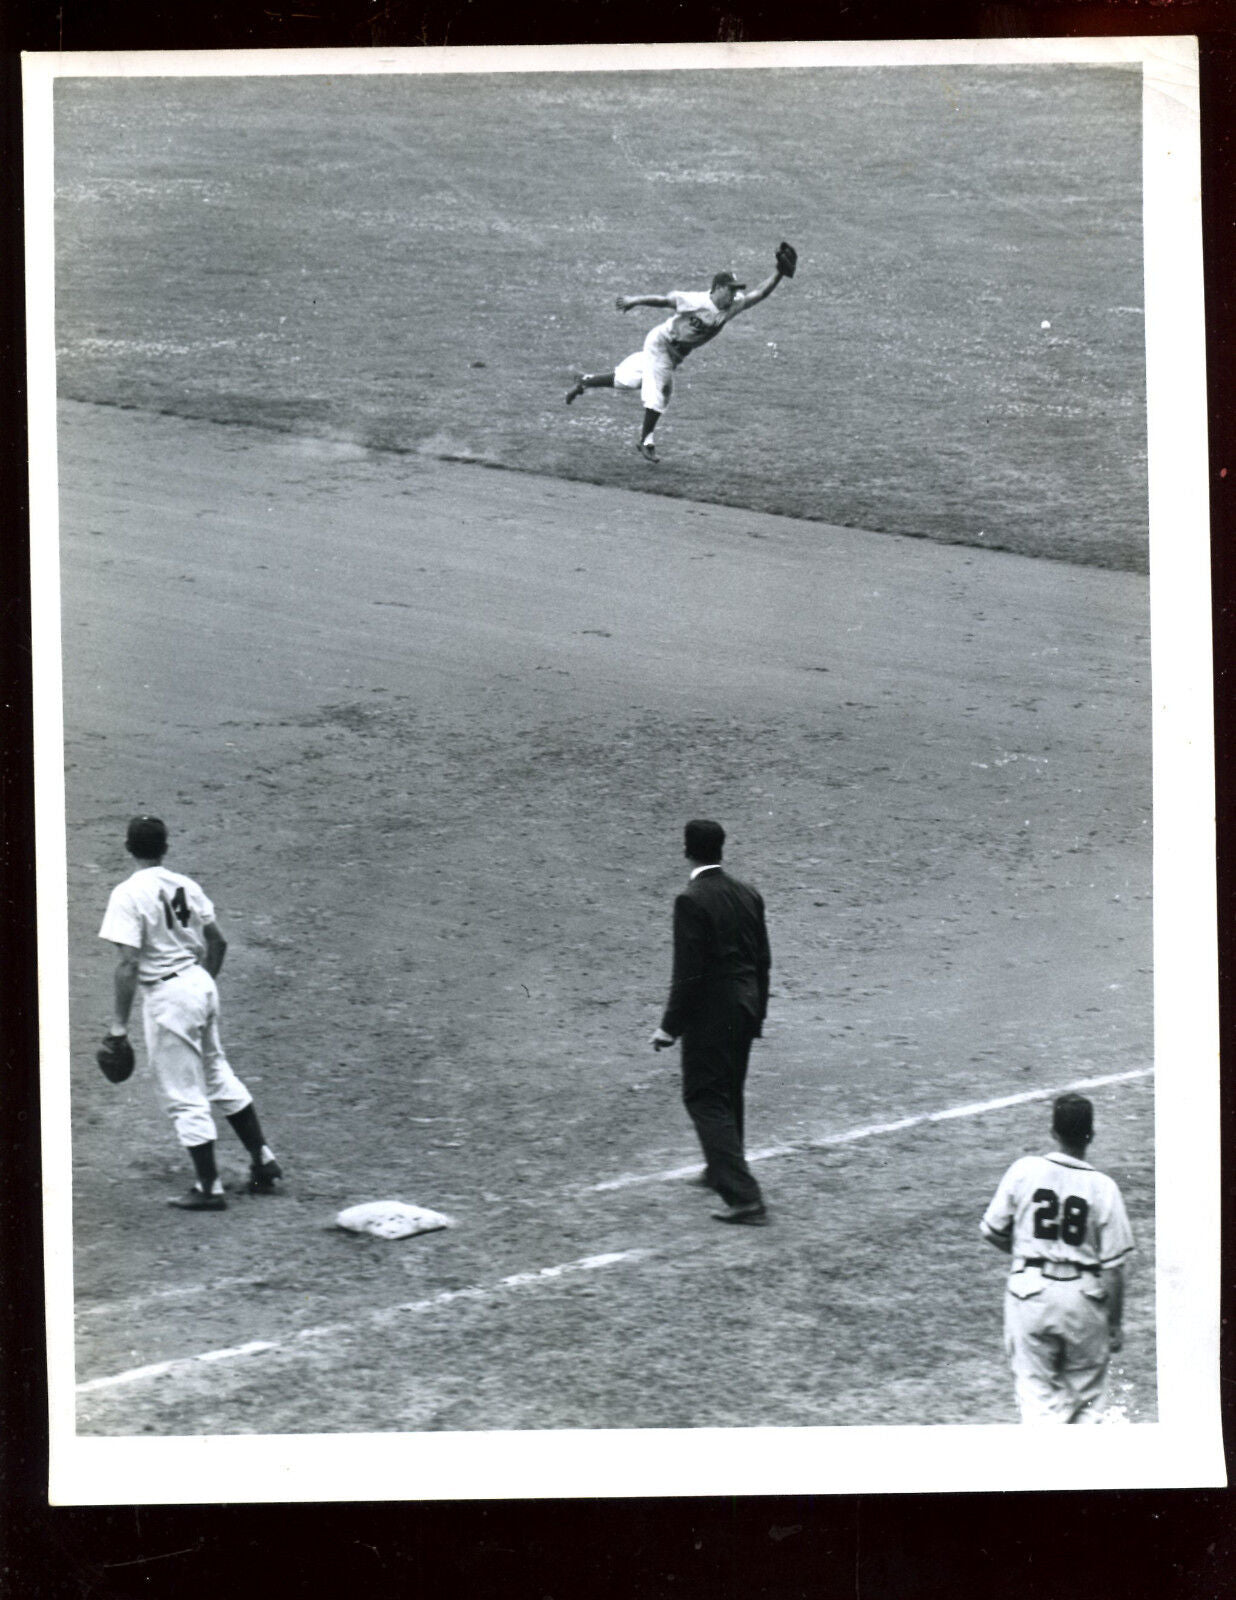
[427, 733]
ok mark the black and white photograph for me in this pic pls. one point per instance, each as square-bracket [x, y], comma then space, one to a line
[624, 770]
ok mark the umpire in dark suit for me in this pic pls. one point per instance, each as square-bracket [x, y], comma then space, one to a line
[717, 1003]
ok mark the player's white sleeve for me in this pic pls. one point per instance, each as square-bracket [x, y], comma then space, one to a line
[997, 1223]
[1115, 1234]
[121, 923]
[201, 903]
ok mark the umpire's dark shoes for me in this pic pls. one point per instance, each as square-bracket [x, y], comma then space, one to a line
[754, 1215]
[198, 1200]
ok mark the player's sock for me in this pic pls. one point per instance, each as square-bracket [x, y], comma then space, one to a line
[249, 1130]
[203, 1158]
[651, 418]
[597, 380]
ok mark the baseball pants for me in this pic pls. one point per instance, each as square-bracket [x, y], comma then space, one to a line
[651, 371]
[1058, 1344]
[192, 1074]
[715, 1054]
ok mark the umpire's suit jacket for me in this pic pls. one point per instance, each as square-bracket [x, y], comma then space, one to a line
[721, 958]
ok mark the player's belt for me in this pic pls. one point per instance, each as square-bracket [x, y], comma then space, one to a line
[1063, 1270]
[166, 977]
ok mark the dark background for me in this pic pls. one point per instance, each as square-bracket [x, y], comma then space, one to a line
[1177, 1544]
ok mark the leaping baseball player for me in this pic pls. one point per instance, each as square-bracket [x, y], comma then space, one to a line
[1065, 1225]
[170, 946]
[697, 318]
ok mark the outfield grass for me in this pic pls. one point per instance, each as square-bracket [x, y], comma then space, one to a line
[418, 263]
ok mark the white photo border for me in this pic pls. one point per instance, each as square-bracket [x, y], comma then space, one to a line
[1183, 1449]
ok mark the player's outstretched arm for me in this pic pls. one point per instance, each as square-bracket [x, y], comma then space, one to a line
[625, 302]
[760, 292]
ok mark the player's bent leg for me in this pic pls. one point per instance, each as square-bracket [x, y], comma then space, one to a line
[629, 374]
[232, 1099]
[264, 1170]
[226, 1093]
[190, 1114]
[224, 1089]
[647, 445]
[589, 380]
[655, 391]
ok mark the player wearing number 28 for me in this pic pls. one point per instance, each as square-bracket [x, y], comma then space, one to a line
[171, 948]
[1065, 1226]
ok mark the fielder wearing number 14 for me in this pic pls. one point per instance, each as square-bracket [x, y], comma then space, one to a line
[1064, 1224]
[170, 947]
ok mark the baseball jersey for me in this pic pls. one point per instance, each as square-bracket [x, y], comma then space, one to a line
[160, 914]
[696, 320]
[1061, 1209]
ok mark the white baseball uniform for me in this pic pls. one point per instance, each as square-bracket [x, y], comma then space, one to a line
[1065, 1223]
[160, 914]
[696, 320]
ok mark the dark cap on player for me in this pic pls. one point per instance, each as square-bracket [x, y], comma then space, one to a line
[727, 280]
[1072, 1118]
[146, 837]
[703, 841]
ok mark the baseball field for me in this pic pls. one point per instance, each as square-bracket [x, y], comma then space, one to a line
[425, 673]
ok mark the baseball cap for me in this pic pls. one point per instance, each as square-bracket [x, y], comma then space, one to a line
[727, 280]
[146, 836]
[1072, 1117]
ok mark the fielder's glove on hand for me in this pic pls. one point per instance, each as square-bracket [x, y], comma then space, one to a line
[787, 259]
[115, 1057]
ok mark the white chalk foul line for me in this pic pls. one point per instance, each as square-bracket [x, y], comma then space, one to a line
[872, 1130]
[517, 1280]
[590, 1263]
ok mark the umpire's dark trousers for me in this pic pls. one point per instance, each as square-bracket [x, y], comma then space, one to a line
[715, 1053]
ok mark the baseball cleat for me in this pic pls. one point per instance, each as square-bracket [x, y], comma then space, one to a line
[574, 394]
[263, 1176]
[753, 1216]
[198, 1200]
[648, 450]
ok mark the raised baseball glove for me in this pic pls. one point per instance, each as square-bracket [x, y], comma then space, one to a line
[115, 1057]
[787, 259]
